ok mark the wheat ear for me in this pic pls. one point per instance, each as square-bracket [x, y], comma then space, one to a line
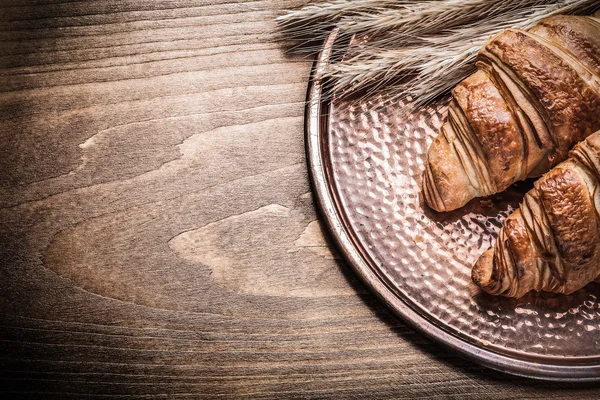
[438, 61]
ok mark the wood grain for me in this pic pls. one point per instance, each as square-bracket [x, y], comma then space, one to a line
[158, 235]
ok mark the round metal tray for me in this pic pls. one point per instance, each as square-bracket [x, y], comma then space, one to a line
[366, 160]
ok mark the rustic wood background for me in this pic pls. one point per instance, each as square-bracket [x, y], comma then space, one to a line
[158, 235]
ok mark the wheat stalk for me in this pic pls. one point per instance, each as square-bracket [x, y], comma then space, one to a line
[423, 18]
[313, 23]
[435, 42]
[440, 61]
[328, 12]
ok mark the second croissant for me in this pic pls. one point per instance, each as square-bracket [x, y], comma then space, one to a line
[552, 243]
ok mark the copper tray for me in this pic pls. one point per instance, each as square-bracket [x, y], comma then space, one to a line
[366, 163]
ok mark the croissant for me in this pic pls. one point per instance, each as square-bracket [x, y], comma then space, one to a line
[536, 93]
[552, 243]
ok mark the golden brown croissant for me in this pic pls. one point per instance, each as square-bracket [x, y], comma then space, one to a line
[552, 243]
[536, 93]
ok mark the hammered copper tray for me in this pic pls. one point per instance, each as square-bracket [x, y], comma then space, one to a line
[366, 159]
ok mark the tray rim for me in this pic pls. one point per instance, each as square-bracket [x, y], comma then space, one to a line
[315, 129]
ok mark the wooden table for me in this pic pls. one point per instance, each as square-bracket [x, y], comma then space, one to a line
[158, 234]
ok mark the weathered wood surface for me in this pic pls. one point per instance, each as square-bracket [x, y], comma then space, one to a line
[158, 236]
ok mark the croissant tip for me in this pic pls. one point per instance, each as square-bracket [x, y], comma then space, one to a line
[431, 192]
[482, 271]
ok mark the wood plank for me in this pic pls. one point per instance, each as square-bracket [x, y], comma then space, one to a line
[158, 235]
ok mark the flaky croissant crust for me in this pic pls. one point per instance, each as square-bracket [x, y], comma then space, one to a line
[536, 93]
[552, 243]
